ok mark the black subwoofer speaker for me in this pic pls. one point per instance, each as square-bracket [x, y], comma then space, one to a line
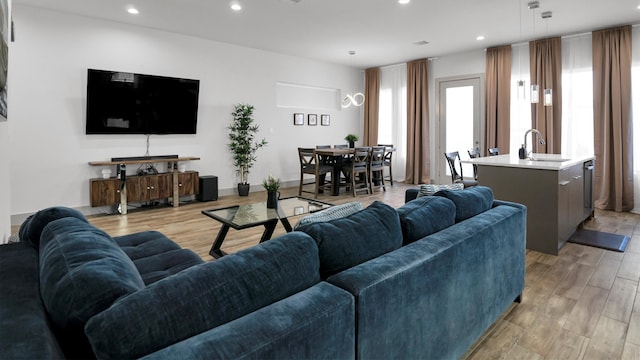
[208, 188]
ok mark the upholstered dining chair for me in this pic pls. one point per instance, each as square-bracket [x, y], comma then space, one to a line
[474, 153]
[358, 165]
[310, 164]
[494, 151]
[388, 154]
[376, 168]
[453, 159]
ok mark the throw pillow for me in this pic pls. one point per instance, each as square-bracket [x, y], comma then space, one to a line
[470, 201]
[332, 213]
[31, 228]
[356, 238]
[430, 189]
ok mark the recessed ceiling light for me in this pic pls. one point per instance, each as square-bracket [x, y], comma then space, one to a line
[235, 6]
[404, 1]
[132, 10]
[480, 38]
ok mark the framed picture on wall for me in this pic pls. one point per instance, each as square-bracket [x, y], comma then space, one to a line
[312, 119]
[325, 120]
[298, 119]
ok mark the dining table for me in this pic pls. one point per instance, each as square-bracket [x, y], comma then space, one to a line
[336, 155]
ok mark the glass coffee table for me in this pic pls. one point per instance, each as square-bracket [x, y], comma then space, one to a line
[251, 215]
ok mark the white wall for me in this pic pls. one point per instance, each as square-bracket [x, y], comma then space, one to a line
[49, 61]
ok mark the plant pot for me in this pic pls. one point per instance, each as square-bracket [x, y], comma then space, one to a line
[272, 199]
[352, 144]
[243, 189]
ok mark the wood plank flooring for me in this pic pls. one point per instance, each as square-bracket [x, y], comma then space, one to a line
[582, 304]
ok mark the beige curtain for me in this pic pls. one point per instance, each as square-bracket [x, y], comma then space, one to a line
[613, 135]
[418, 162]
[498, 98]
[545, 58]
[371, 106]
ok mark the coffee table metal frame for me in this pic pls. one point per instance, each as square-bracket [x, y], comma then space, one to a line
[238, 217]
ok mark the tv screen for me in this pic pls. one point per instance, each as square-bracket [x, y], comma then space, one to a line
[128, 103]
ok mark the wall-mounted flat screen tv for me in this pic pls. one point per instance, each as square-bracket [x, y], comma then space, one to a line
[127, 103]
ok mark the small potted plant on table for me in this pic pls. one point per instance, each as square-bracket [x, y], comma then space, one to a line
[272, 185]
[351, 139]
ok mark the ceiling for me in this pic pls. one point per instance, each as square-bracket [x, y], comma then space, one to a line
[381, 32]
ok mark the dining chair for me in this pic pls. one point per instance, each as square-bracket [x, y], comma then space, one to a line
[474, 153]
[358, 166]
[453, 159]
[494, 151]
[376, 168]
[310, 164]
[388, 154]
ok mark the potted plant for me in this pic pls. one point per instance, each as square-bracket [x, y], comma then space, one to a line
[242, 132]
[351, 139]
[272, 184]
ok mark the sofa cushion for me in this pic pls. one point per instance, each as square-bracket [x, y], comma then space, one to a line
[424, 216]
[430, 189]
[31, 228]
[204, 296]
[470, 201]
[145, 243]
[354, 239]
[159, 266]
[332, 213]
[82, 272]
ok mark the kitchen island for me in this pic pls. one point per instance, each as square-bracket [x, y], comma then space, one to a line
[556, 189]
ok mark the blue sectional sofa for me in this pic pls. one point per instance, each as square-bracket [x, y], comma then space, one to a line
[423, 281]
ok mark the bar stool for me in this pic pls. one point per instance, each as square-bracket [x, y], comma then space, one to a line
[453, 158]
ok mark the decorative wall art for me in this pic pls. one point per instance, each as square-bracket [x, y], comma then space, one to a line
[312, 119]
[298, 119]
[325, 120]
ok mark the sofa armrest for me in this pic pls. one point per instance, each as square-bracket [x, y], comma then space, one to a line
[25, 332]
[410, 194]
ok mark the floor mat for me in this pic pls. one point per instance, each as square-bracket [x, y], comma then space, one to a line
[600, 239]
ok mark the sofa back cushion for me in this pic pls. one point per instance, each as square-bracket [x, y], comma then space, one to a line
[424, 216]
[32, 227]
[82, 272]
[204, 296]
[356, 238]
[470, 201]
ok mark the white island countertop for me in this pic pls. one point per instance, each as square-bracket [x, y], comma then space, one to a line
[538, 161]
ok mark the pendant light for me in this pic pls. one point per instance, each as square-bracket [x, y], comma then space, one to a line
[520, 84]
[535, 89]
[548, 93]
[356, 99]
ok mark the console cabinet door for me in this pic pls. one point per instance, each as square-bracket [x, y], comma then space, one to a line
[188, 183]
[105, 192]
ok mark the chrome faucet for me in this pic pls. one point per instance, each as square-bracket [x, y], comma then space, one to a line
[540, 139]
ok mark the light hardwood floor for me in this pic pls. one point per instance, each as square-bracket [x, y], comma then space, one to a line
[582, 304]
